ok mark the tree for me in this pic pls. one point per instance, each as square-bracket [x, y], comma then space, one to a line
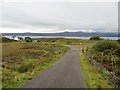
[28, 39]
[95, 38]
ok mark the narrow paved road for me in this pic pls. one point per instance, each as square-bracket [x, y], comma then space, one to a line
[65, 73]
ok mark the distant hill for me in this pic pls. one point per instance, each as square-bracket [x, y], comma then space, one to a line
[73, 34]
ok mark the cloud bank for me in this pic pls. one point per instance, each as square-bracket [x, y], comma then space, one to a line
[59, 16]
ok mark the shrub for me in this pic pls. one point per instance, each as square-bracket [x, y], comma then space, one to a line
[95, 38]
[52, 40]
[28, 39]
[26, 66]
[118, 40]
[20, 38]
[105, 45]
[117, 51]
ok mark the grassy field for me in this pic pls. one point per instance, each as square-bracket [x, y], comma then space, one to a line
[22, 61]
[65, 41]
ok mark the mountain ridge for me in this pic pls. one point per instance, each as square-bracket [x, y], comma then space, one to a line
[73, 34]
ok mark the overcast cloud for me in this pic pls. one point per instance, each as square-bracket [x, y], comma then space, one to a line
[59, 16]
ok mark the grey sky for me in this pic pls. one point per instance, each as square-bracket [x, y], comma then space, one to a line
[59, 16]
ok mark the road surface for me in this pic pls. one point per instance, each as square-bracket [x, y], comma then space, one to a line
[65, 73]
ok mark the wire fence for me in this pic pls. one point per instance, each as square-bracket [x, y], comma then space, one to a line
[110, 76]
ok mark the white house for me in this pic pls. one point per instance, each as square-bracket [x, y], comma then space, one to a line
[15, 38]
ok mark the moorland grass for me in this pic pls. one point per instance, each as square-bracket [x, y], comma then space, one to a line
[64, 41]
[93, 78]
[22, 61]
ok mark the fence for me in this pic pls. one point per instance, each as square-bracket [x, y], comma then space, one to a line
[112, 78]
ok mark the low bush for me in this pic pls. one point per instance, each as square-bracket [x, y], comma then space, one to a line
[95, 38]
[105, 45]
[28, 39]
[118, 40]
[26, 66]
[20, 38]
[117, 51]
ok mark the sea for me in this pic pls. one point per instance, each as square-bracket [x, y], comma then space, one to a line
[87, 38]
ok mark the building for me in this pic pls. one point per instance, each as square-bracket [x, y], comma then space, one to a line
[15, 38]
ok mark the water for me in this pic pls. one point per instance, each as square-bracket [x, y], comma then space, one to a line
[110, 38]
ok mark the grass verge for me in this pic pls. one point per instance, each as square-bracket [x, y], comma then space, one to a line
[93, 78]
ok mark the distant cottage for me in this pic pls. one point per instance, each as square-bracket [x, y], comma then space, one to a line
[15, 38]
